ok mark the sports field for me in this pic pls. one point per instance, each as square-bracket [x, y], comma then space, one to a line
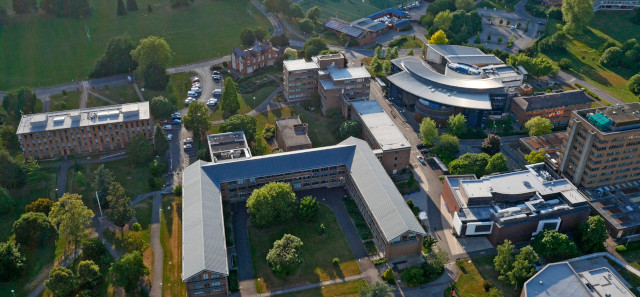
[38, 50]
[350, 10]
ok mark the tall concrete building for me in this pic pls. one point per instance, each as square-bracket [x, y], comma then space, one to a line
[602, 148]
[83, 131]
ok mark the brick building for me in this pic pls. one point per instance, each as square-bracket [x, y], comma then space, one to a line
[292, 134]
[556, 107]
[260, 55]
[83, 131]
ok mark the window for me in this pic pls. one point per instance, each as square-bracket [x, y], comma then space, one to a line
[205, 276]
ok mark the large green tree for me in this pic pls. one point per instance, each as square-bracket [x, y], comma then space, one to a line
[286, 255]
[116, 58]
[491, 145]
[127, 270]
[577, 14]
[377, 289]
[539, 66]
[62, 282]
[17, 102]
[457, 125]
[241, 122]
[497, 163]
[71, 217]
[11, 260]
[538, 126]
[197, 119]
[443, 20]
[314, 13]
[554, 246]
[439, 38]
[152, 49]
[120, 211]
[247, 37]
[503, 261]
[296, 11]
[313, 46]
[428, 131]
[160, 141]
[155, 76]
[470, 163]
[33, 229]
[101, 180]
[160, 107]
[139, 150]
[466, 5]
[274, 203]
[535, 157]
[42, 205]
[306, 26]
[634, 83]
[13, 173]
[308, 209]
[88, 274]
[612, 57]
[8, 136]
[447, 146]
[6, 202]
[592, 234]
[350, 128]
[523, 267]
[229, 102]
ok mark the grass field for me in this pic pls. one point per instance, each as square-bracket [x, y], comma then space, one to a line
[65, 102]
[582, 51]
[350, 10]
[93, 101]
[41, 50]
[358, 219]
[348, 289]
[320, 127]
[318, 252]
[469, 282]
[247, 103]
[407, 42]
[484, 265]
[171, 240]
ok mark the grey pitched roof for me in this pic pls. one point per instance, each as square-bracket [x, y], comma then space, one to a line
[344, 27]
[203, 238]
[553, 100]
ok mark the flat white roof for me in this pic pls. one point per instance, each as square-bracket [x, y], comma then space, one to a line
[380, 124]
[65, 119]
[300, 64]
[348, 73]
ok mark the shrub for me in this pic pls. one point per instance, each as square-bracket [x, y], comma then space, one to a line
[322, 229]
[413, 276]
[487, 285]
[564, 64]
[621, 248]
[269, 131]
[380, 261]
[136, 227]
[336, 261]
[388, 276]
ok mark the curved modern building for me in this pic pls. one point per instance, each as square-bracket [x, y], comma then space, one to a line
[454, 79]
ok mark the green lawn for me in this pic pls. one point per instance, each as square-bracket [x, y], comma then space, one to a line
[499, 4]
[350, 289]
[318, 252]
[350, 10]
[582, 51]
[120, 94]
[632, 254]
[358, 220]
[41, 50]
[171, 240]
[631, 278]
[93, 101]
[65, 102]
[484, 265]
[407, 42]
[320, 127]
[260, 95]
[469, 282]
[143, 212]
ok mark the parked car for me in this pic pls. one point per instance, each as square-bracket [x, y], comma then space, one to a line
[188, 146]
[195, 79]
[540, 23]
[176, 122]
[188, 101]
[129, 79]
[176, 115]
[169, 136]
[192, 94]
[198, 90]
[216, 93]
[167, 127]
[421, 159]
[215, 72]
[216, 77]
[212, 102]
[188, 140]
[195, 85]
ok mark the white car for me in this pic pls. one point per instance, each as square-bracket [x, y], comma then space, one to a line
[216, 77]
[196, 90]
[189, 101]
[188, 146]
[195, 79]
[216, 92]
[195, 85]
[167, 127]
[169, 136]
[188, 140]
[212, 101]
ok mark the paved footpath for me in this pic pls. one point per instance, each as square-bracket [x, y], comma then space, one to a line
[158, 253]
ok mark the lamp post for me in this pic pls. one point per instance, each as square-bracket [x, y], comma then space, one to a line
[13, 292]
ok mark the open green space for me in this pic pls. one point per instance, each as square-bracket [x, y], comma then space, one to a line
[171, 240]
[469, 282]
[318, 252]
[65, 102]
[93, 101]
[632, 254]
[358, 219]
[508, 5]
[484, 266]
[320, 127]
[143, 212]
[350, 289]
[40, 51]
[247, 103]
[582, 51]
[119, 94]
[407, 42]
[350, 10]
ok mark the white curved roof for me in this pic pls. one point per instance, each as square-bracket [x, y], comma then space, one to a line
[422, 71]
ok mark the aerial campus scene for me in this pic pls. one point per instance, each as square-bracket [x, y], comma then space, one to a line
[471, 148]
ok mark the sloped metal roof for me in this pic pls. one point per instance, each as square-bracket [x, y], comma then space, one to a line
[344, 27]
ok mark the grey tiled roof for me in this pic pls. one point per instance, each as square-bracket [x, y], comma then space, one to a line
[203, 239]
[553, 100]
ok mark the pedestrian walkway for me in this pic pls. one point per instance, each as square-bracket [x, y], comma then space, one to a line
[135, 86]
[158, 253]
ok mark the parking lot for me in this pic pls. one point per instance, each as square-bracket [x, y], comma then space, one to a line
[493, 27]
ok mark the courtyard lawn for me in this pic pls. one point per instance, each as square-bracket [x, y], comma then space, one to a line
[320, 127]
[260, 95]
[40, 50]
[246, 103]
[632, 254]
[469, 282]
[171, 240]
[65, 102]
[93, 101]
[407, 42]
[484, 265]
[143, 212]
[120, 94]
[358, 219]
[350, 289]
[350, 10]
[318, 252]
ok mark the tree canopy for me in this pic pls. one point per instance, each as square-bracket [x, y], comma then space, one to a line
[377, 289]
[241, 122]
[88, 274]
[286, 255]
[612, 57]
[197, 119]
[152, 49]
[33, 229]
[539, 66]
[313, 46]
[443, 20]
[554, 246]
[70, 217]
[116, 58]
[17, 102]
[439, 38]
[127, 270]
[160, 141]
[247, 37]
[120, 210]
[634, 83]
[350, 128]
[6, 202]
[428, 131]
[139, 150]
[503, 261]
[296, 11]
[577, 14]
[229, 101]
[13, 173]
[523, 267]
[308, 209]
[466, 5]
[535, 157]
[42, 205]
[11, 260]
[314, 13]
[447, 146]
[592, 234]
[62, 282]
[100, 182]
[272, 204]
[491, 145]
[538, 126]
[497, 163]
[155, 76]
[470, 163]
[457, 125]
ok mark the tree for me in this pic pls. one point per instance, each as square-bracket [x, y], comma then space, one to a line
[279, 40]
[88, 274]
[439, 38]
[160, 107]
[441, 5]
[241, 122]
[378, 52]
[24, 6]
[576, 14]
[70, 217]
[121, 9]
[470, 163]
[33, 229]
[155, 76]
[554, 246]
[93, 249]
[539, 66]
[535, 157]
[392, 53]
[17, 102]
[101, 181]
[152, 49]
[295, 11]
[272, 204]
[160, 141]
[388, 276]
[11, 260]
[120, 210]
[491, 144]
[229, 100]
[447, 146]
[592, 234]
[413, 276]
[350, 128]
[290, 54]
[247, 37]
[306, 25]
[313, 46]
[466, 5]
[132, 5]
[61, 282]
[377, 289]
[134, 241]
[435, 261]
[42, 205]
[428, 131]
[6, 202]
[260, 33]
[127, 270]
[538, 126]
[139, 150]
[33, 172]
[443, 20]
[260, 148]
[634, 83]
[497, 163]
[564, 64]
[523, 267]
[13, 174]
[286, 255]
[197, 119]
[314, 13]
[457, 125]
[4, 16]
[116, 58]
[503, 262]
[308, 209]
[8, 138]
[612, 57]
